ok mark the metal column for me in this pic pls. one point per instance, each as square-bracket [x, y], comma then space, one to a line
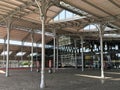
[42, 17]
[54, 53]
[57, 52]
[8, 43]
[4, 53]
[75, 42]
[43, 6]
[32, 51]
[42, 85]
[22, 51]
[101, 48]
[82, 58]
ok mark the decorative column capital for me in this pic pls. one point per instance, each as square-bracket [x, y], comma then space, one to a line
[43, 6]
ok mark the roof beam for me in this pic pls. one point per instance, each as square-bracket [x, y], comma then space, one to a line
[39, 41]
[22, 1]
[4, 8]
[2, 14]
[8, 2]
[68, 24]
[92, 19]
[20, 8]
[57, 3]
[92, 33]
[89, 3]
[26, 37]
[114, 3]
[71, 8]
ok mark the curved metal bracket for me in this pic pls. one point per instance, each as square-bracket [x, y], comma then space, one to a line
[43, 6]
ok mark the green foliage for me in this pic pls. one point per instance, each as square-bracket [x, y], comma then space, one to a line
[22, 63]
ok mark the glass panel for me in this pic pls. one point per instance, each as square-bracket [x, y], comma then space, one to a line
[1, 40]
[62, 15]
[56, 18]
[69, 14]
[90, 27]
[15, 42]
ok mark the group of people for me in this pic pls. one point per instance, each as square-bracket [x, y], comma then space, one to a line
[37, 60]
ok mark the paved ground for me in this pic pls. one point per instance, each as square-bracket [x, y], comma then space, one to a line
[63, 79]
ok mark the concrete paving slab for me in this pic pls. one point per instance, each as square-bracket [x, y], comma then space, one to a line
[63, 79]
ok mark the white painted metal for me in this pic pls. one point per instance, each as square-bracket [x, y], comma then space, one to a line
[43, 7]
[75, 53]
[4, 54]
[57, 52]
[82, 57]
[22, 51]
[42, 17]
[32, 51]
[101, 48]
[42, 84]
[54, 57]
[8, 43]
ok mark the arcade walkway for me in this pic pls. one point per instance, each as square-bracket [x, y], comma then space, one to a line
[64, 79]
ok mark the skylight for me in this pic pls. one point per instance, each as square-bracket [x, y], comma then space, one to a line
[112, 35]
[72, 8]
[109, 29]
[5, 53]
[14, 42]
[66, 15]
[28, 44]
[20, 53]
[1, 40]
[90, 27]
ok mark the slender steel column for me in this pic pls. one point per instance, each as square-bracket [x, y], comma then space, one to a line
[32, 51]
[54, 57]
[22, 52]
[42, 84]
[82, 58]
[36, 58]
[4, 42]
[57, 52]
[75, 53]
[4, 53]
[101, 48]
[43, 6]
[42, 17]
[8, 43]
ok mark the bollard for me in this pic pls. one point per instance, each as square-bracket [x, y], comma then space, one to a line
[50, 65]
[50, 70]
